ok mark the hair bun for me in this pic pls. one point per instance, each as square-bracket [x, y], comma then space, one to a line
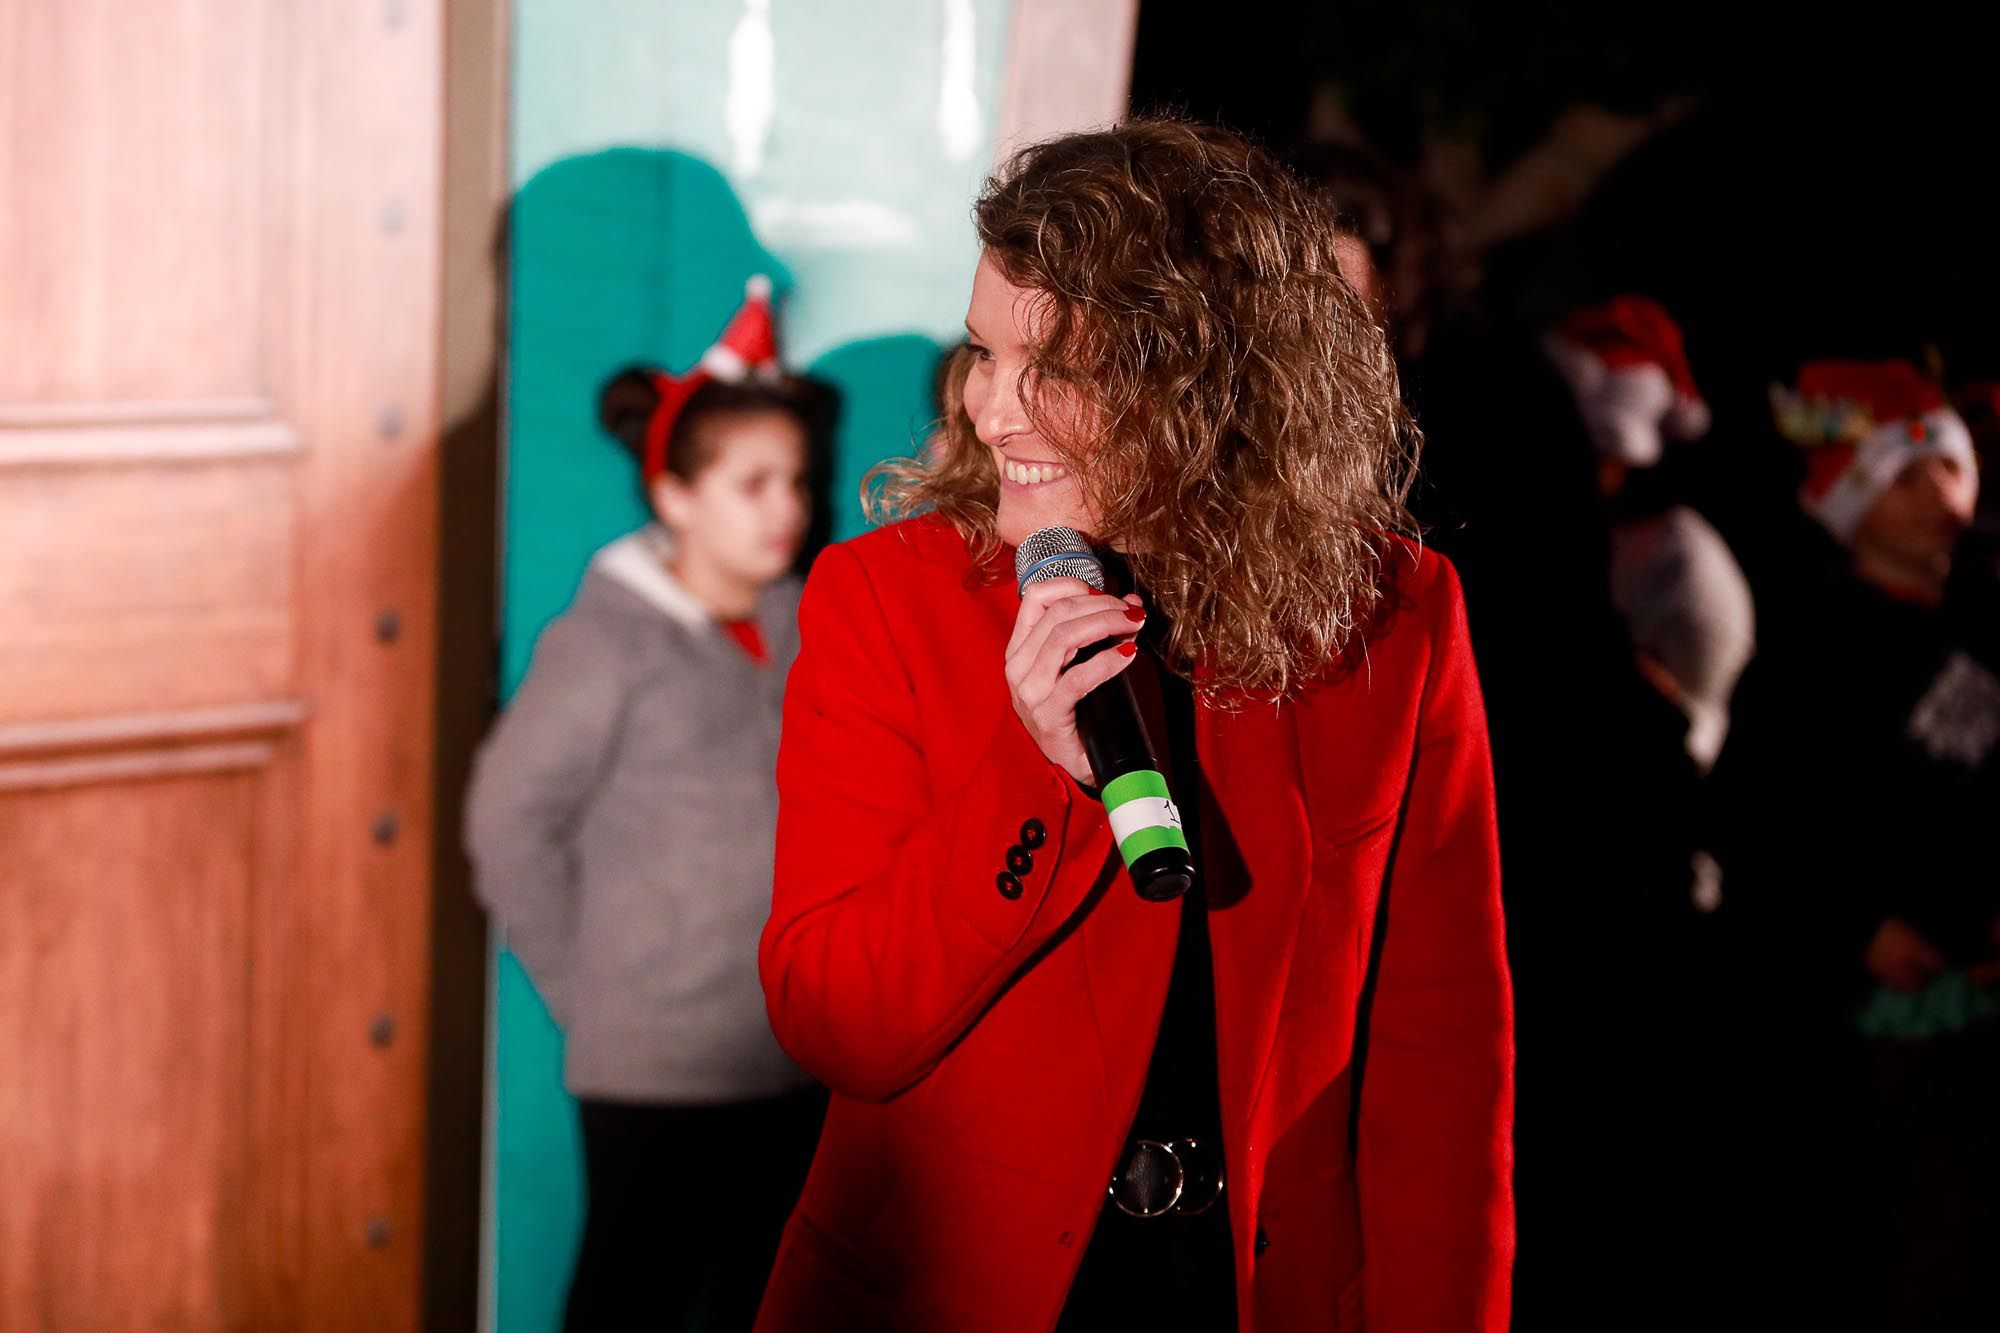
[626, 404]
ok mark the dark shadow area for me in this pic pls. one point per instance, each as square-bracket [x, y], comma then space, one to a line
[466, 645]
[1789, 187]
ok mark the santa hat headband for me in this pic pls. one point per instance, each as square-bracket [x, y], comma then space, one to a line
[747, 348]
[1625, 363]
[1861, 423]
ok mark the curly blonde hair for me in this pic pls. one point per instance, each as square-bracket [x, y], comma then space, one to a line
[1251, 451]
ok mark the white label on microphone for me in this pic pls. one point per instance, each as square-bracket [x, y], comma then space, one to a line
[1143, 812]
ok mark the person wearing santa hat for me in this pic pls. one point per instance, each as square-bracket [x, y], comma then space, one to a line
[621, 824]
[1686, 614]
[1860, 781]
[1673, 578]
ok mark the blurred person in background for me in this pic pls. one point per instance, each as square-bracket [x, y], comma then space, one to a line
[1389, 243]
[1689, 616]
[1859, 785]
[1673, 578]
[621, 822]
[1978, 402]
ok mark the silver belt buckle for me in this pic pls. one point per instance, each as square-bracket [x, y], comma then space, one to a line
[1196, 1177]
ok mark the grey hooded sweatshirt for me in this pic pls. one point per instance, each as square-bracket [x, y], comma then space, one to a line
[621, 821]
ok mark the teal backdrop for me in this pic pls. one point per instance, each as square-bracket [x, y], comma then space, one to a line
[834, 147]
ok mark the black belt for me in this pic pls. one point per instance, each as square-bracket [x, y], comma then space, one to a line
[1159, 1178]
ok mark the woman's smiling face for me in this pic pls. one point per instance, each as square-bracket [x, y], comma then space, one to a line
[1036, 488]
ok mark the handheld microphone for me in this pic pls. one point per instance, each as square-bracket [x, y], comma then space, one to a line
[1144, 819]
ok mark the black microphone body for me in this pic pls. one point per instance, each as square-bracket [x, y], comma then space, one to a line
[1144, 819]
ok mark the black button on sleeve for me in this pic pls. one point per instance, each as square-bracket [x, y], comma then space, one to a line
[1020, 860]
[1033, 834]
[1009, 885]
[1263, 1241]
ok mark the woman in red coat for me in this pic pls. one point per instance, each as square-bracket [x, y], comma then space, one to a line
[1282, 1102]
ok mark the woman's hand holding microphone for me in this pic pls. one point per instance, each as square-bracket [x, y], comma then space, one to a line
[1059, 618]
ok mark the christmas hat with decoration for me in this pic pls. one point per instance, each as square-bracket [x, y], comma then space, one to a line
[1860, 424]
[1625, 364]
[747, 348]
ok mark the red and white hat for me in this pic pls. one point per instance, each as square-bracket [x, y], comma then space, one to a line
[1625, 364]
[747, 348]
[1861, 423]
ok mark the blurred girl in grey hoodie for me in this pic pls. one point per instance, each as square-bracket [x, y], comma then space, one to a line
[621, 822]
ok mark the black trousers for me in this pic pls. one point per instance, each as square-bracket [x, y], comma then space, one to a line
[686, 1201]
[1168, 1274]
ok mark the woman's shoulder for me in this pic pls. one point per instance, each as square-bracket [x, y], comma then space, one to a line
[780, 596]
[1417, 620]
[1418, 585]
[922, 551]
[606, 630]
[593, 645]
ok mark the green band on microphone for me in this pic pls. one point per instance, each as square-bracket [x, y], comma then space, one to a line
[1143, 817]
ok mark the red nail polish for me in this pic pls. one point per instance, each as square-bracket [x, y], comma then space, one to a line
[1135, 614]
[1127, 648]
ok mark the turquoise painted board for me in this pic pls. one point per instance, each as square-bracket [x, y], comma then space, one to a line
[855, 133]
[621, 256]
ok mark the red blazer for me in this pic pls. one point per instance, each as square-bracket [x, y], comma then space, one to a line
[986, 1051]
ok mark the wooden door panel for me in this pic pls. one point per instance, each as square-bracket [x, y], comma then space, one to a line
[124, 1002]
[145, 586]
[134, 136]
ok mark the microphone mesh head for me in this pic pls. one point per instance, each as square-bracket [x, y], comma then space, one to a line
[1056, 553]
